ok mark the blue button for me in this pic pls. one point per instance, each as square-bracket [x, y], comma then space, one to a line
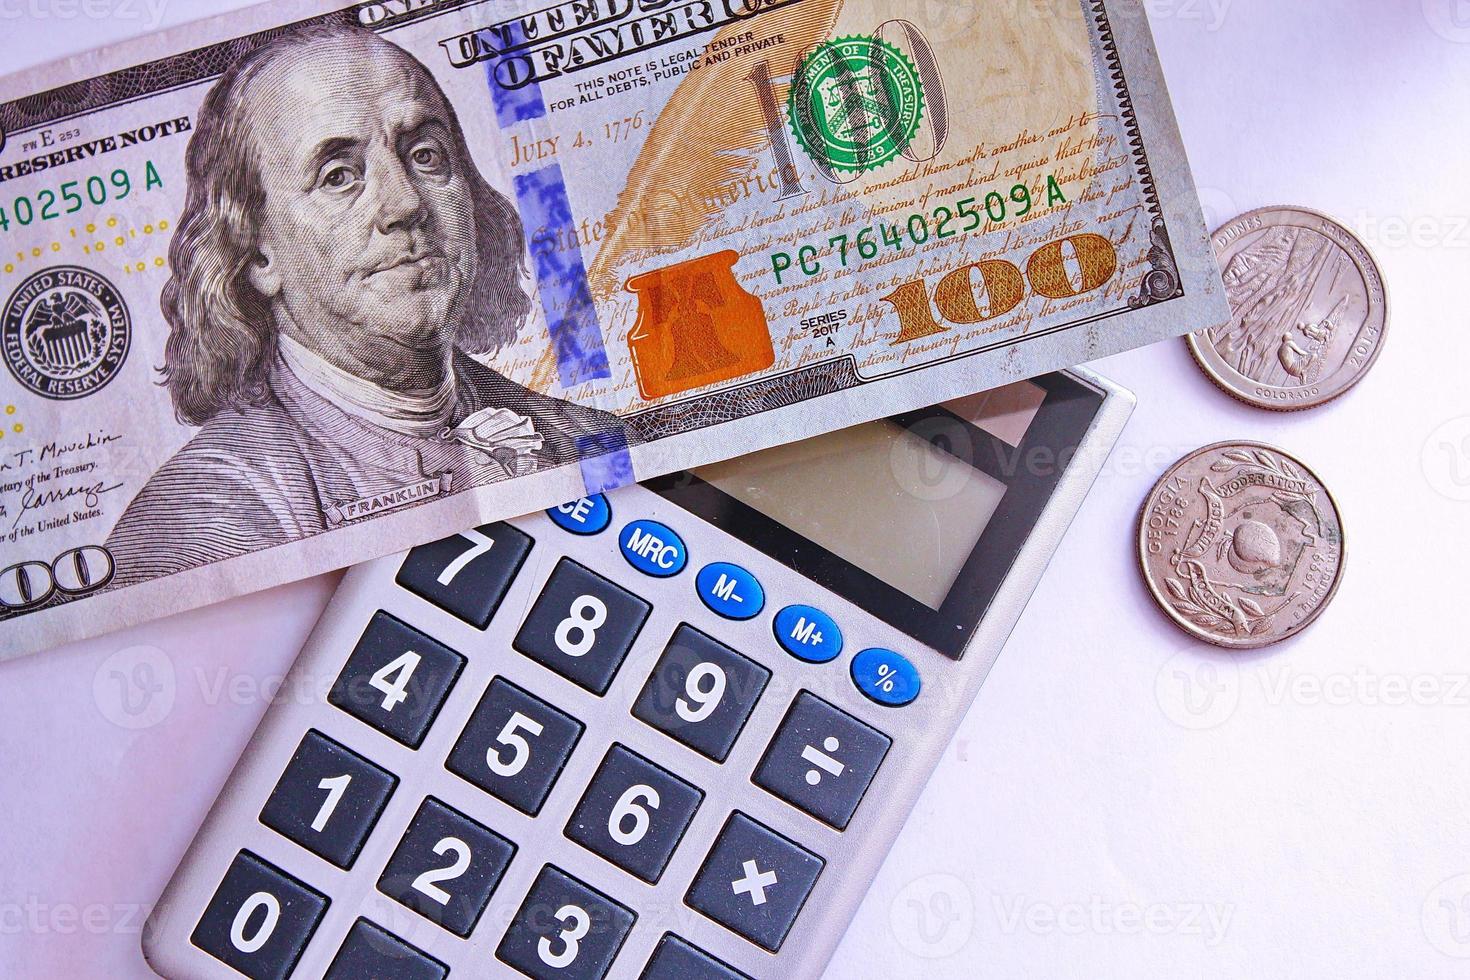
[730, 590]
[654, 549]
[585, 515]
[885, 677]
[808, 634]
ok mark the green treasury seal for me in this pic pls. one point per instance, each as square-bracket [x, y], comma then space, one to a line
[855, 103]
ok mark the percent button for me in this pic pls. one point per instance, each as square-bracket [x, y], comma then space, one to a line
[885, 677]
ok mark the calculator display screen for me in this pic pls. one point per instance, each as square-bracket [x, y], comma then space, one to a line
[878, 495]
[916, 519]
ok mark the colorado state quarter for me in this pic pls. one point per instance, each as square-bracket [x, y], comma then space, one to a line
[1309, 305]
[1241, 544]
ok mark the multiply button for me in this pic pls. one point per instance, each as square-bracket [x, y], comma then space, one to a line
[822, 760]
[653, 548]
[730, 590]
[754, 882]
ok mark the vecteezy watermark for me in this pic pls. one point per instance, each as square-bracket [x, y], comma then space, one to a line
[933, 917]
[1446, 459]
[1450, 19]
[1446, 917]
[1198, 689]
[36, 917]
[149, 13]
[1104, 917]
[1200, 692]
[135, 687]
[1393, 231]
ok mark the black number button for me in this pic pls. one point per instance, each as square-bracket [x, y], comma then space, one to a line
[822, 760]
[701, 692]
[396, 679]
[514, 746]
[674, 959]
[371, 951]
[582, 626]
[634, 813]
[565, 930]
[259, 919]
[754, 882]
[468, 573]
[446, 866]
[328, 799]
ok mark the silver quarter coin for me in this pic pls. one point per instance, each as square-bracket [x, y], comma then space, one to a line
[1241, 544]
[1310, 310]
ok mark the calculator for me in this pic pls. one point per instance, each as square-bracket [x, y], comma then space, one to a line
[665, 733]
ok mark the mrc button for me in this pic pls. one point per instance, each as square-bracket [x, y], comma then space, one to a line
[585, 515]
[730, 590]
[808, 634]
[653, 548]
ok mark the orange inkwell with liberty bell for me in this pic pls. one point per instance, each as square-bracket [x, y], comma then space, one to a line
[696, 326]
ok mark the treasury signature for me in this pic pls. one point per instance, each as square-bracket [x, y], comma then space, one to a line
[34, 500]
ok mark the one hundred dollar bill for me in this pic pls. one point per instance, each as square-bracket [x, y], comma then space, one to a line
[302, 285]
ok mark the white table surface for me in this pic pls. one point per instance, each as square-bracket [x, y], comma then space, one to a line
[1120, 802]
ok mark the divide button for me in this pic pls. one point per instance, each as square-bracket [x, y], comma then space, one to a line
[653, 548]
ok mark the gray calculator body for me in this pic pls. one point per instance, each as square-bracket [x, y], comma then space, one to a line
[757, 784]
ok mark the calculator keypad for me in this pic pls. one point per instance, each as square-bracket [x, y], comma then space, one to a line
[396, 679]
[822, 760]
[754, 882]
[446, 867]
[582, 626]
[467, 574]
[565, 930]
[328, 799]
[371, 951]
[674, 959]
[701, 693]
[634, 813]
[259, 919]
[515, 746]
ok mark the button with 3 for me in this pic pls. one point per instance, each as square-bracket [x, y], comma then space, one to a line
[565, 930]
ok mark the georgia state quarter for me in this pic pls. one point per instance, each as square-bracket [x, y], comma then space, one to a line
[1241, 544]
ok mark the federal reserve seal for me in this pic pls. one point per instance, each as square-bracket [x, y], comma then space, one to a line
[64, 333]
[855, 103]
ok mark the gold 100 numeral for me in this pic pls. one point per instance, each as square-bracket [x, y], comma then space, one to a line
[1004, 286]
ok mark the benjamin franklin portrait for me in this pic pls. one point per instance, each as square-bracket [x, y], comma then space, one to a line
[338, 260]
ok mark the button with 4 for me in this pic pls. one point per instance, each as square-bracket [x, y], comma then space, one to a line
[396, 679]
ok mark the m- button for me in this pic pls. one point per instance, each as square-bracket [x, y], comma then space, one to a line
[653, 548]
[730, 590]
